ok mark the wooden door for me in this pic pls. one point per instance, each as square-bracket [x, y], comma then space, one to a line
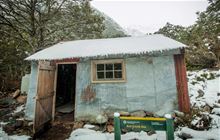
[45, 95]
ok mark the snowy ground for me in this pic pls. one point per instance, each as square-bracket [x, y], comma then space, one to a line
[204, 90]
[5, 136]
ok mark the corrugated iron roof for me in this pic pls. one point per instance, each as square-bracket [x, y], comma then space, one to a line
[105, 47]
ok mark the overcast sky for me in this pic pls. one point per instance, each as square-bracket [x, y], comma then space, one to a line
[149, 15]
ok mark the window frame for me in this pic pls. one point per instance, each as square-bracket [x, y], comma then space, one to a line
[94, 78]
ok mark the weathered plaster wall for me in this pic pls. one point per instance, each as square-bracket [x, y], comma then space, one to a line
[150, 86]
[30, 104]
[25, 83]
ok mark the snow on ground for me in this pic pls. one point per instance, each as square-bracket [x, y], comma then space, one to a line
[198, 83]
[87, 134]
[212, 134]
[204, 89]
[5, 136]
[19, 109]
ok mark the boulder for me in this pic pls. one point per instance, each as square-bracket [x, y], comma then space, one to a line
[207, 109]
[9, 128]
[101, 119]
[124, 113]
[139, 113]
[18, 114]
[110, 128]
[185, 136]
[21, 99]
[179, 114]
[149, 114]
[149, 133]
[18, 123]
[201, 93]
[16, 94]
[88, 126]
[78, 125]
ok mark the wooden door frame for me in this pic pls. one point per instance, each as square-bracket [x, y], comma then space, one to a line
[55, 86]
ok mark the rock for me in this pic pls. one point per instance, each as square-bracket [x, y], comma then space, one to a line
[139, 113]
[149, 114]
[201, 93]
[185, 136]
[218, 94]
[110, 128]
[18, 123]
[96, 128]
[101, 119]
[124, 113]
[21, 99]
[207, 109]
[151, 132]
[88, 126]
[78, 125]
[18, 114]
[179, 114]
[9, 128]
[219, 101]
[16, 94]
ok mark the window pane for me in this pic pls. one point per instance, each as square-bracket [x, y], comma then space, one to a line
[118, 66]
[109, 66]
[109, 75]
[100, 67]
[100, 75]
[118, 74]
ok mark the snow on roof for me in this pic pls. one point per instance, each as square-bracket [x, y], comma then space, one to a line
[106, 47]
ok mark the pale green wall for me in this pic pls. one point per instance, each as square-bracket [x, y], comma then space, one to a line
[150, 86]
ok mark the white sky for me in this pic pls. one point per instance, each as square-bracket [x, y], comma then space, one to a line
[149, 15]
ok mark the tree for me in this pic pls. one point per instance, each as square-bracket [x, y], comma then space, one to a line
[27, 26]
[202, 37]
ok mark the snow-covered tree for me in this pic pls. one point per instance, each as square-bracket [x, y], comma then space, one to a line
[202, 37]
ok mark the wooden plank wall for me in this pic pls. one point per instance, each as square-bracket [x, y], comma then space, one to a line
[181, 82]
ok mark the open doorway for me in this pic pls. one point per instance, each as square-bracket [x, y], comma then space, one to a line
[65, 92]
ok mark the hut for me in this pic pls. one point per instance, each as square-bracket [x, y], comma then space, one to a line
[100, 76]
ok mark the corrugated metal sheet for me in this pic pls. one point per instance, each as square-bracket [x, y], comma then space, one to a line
[105, 47]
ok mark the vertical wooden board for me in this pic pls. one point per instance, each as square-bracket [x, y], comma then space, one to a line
[45, 93]
[181, 82]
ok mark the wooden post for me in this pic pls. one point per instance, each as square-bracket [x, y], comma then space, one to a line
[117, 129]
[169, 127]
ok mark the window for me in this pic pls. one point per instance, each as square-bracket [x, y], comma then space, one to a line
[108, 71]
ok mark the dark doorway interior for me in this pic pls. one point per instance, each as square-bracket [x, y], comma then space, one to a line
[65, 90]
